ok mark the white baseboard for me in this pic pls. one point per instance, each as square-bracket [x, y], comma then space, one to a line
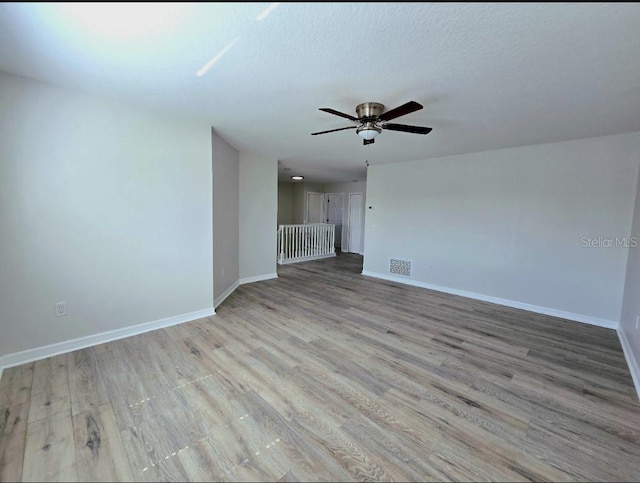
[226, 293]
[258, 278]
[632, 362]
[38, 353]
[609, 324]
[307, 259]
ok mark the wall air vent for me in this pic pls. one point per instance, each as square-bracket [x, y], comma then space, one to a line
[400, 267]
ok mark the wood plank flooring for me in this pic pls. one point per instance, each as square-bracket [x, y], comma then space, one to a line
[327, 375]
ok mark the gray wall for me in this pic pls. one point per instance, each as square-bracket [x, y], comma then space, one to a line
[226, 216]
[285, 203]
[629, 325]
[512, 224]
[299, 203]
[102, 205]
[258, 217]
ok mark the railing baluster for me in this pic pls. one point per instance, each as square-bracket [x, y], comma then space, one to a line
[307, 232]
[305, 242]
[327, 239]
[333, 239]
[324, 239]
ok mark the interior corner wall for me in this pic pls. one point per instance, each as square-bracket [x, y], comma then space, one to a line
[226, 214]
[299, 203]
[285, 203]
[258, 217]
[534, 225]
[630, 318]
[102, 205]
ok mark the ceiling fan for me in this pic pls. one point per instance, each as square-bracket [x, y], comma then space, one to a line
[372, 120]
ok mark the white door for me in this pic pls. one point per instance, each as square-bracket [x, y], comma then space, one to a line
[355, 223]
[335, 203]
[315, 207]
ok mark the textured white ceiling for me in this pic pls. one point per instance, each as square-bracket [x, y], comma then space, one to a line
[490, 75]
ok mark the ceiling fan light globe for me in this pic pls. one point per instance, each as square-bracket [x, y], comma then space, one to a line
[368, 133]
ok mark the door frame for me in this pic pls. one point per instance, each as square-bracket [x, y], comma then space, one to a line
[361, 252]
[326, 214]
[306, 207]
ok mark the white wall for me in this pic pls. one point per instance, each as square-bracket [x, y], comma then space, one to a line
[346, 188]
[226, 214]
[510, 224]
[285, 203]
[629, 326]
[258, 217]
[104, 206]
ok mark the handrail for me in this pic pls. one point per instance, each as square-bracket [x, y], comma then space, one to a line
[311, 241]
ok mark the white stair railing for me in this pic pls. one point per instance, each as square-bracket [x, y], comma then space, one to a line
[299, 243]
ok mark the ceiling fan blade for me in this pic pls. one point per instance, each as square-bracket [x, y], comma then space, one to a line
[333, 130]
[338, 113]
[407, 108]
[368, 141]
[405, 128]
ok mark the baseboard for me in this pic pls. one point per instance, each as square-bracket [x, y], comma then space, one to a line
[30, 355]
[226, 293]
[632, 362]
[258, 278]
[307, 259]
[608, 324]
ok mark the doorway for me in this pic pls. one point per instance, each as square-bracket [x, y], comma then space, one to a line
[335, 209]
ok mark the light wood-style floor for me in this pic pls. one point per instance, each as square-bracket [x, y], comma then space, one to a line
[327, 375]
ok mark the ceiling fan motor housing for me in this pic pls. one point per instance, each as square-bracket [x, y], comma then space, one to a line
[369, 110]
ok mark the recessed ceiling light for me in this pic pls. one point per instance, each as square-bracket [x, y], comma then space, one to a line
[297, 178]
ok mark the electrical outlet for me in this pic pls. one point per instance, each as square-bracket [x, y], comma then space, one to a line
[637, 320]
[222, 271]
[61, 309]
